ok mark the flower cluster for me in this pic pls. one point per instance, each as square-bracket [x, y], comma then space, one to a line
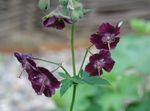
[42, 80]
[105, 39]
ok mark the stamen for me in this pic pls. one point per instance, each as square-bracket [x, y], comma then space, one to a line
[108, 43]
[99, 70]
[42, 88]
[19, 76]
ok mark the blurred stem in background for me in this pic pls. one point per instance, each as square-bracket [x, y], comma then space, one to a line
[73, 65]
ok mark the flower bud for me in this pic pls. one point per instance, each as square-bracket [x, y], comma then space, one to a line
[76, 15]
[44, 4]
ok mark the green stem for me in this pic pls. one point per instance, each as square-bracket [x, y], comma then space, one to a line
[87, 50]
[73, 65]
[54, 63]
[73, 96]
[72, 49]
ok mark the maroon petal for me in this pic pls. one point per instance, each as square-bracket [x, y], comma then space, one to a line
[32, 63]
[18, 56]
[114, 44]
[59, 24]
[91, 70]
[49, 91]
[94, 57]
[37, 80]
[102, 46]
[25, 60]
[49, 22]
[96, 39]
[106, 28]
[105, 53]
[54, 82]
[109, 64]
[22, 57]
[37, 87]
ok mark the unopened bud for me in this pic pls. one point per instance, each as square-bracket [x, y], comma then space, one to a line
[44, 4]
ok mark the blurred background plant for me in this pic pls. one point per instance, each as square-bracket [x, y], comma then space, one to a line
[140, 26]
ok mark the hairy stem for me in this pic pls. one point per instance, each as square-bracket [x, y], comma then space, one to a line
[73, 65]
[72, 49]
[54, 63]
[87, 50]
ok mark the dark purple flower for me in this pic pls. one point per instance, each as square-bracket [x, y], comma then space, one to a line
[106, 36]
[57, 22]
[99, 61]
[41, 79]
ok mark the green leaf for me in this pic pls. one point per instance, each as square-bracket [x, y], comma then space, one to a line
[84, 74]
[93, 80]
[139, 25]
[77, 79]
[66, 84]
[44, 4]
[63, 75]
[96, 81]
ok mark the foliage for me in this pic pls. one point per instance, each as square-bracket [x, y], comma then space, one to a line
[128, 82]
[140, 26]
[67, 82]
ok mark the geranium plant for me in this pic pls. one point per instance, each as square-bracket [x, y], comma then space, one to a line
[106, 38]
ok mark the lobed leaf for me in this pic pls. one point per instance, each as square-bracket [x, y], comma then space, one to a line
[78, 80]
[93, 80]
[66, 84]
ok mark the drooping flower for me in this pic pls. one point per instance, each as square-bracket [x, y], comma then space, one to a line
[106, 37]
[42, 80]
[99, 61]
[57, 22]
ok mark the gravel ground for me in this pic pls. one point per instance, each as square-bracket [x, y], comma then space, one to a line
[16, 94]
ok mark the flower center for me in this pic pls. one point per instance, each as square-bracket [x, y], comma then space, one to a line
[99, 64]
[108, 38]
[60, 19]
